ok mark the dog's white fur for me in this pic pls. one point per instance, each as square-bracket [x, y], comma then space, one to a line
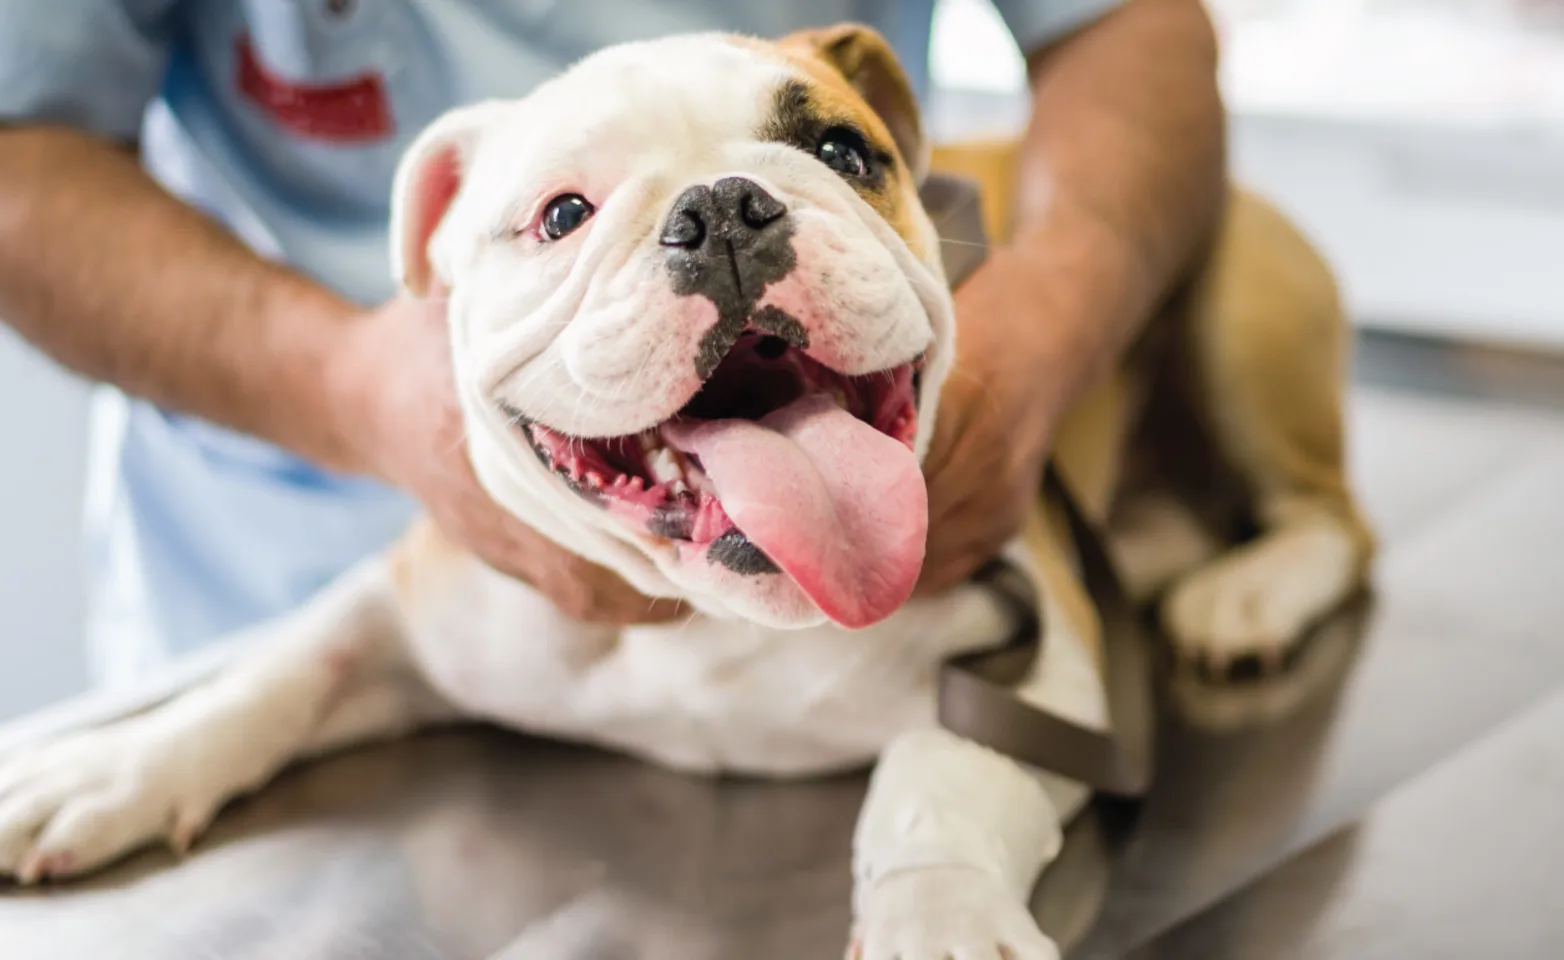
[585, 335]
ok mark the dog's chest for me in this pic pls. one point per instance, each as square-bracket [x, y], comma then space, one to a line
[705, 695]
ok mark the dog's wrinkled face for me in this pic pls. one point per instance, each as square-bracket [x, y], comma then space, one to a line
[697, 315]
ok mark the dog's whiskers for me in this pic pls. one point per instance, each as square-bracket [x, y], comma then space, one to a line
[535, 374]
[531, 376]
[684, 624]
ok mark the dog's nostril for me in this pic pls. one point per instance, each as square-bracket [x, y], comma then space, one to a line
[683, 229]
[771, 348]
[758, 208]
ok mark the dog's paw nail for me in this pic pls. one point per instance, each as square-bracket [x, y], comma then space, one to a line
[27, 874]
[59, 864]
[185, 830]
[1271, 661]
[42, 865]
[1216, 664]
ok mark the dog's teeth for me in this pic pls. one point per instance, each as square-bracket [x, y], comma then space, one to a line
[637, 484]
[677, 488]
[594, 479]
[841, 397]
[663, 467]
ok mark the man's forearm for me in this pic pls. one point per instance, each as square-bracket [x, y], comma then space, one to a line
[114, 278]
[1122, 176]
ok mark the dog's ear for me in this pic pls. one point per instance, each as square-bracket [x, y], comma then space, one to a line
[870, 66]
[427, 180]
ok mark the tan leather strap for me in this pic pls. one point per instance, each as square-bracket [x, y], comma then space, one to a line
[977, 696]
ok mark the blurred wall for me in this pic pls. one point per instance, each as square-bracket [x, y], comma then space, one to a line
[42, 449]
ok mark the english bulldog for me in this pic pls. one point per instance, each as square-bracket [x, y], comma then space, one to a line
[699, 323]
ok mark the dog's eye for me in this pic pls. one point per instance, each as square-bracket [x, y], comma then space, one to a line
[565, 214]
[843, 151]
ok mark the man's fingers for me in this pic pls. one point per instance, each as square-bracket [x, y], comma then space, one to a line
[964, 536]
[948, 573]
[965, 547]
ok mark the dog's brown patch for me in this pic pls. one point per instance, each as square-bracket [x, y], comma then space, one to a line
[820, 96]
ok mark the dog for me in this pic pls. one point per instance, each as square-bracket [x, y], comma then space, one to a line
[699, 323]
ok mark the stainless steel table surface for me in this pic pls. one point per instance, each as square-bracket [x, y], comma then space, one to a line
[1462, 862]
[453, 844]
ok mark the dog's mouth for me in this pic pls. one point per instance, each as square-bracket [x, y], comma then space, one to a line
[650, 473]
[773, 459]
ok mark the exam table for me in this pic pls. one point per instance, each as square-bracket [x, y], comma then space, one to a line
[1399, 794]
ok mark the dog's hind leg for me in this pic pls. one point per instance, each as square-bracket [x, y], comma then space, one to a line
[333, 673]
[1270, 346]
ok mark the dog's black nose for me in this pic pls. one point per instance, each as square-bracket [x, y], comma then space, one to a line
[733, 210]
[727, 242]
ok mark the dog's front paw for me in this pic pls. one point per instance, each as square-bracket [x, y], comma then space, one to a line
[946, 913]
[71, 805]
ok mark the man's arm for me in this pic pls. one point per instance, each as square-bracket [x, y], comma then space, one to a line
[1122, 176]
[116, 279]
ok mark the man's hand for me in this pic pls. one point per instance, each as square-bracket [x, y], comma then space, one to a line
[1120, 183]
[399, 379]
[985, 465]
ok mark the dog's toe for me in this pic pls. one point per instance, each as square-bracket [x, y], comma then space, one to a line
[76, 804]
[1243, 612]
[946, 913]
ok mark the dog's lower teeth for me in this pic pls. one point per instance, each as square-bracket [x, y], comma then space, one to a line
[677, 488]
[594, 479]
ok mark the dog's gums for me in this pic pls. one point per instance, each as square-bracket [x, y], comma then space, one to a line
[647, 481]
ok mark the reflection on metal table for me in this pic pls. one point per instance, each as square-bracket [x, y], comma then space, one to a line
[452, 845]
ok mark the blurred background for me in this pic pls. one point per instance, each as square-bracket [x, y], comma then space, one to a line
[1420, 142]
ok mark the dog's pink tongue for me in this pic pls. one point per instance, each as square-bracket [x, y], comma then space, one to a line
[838, 505]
